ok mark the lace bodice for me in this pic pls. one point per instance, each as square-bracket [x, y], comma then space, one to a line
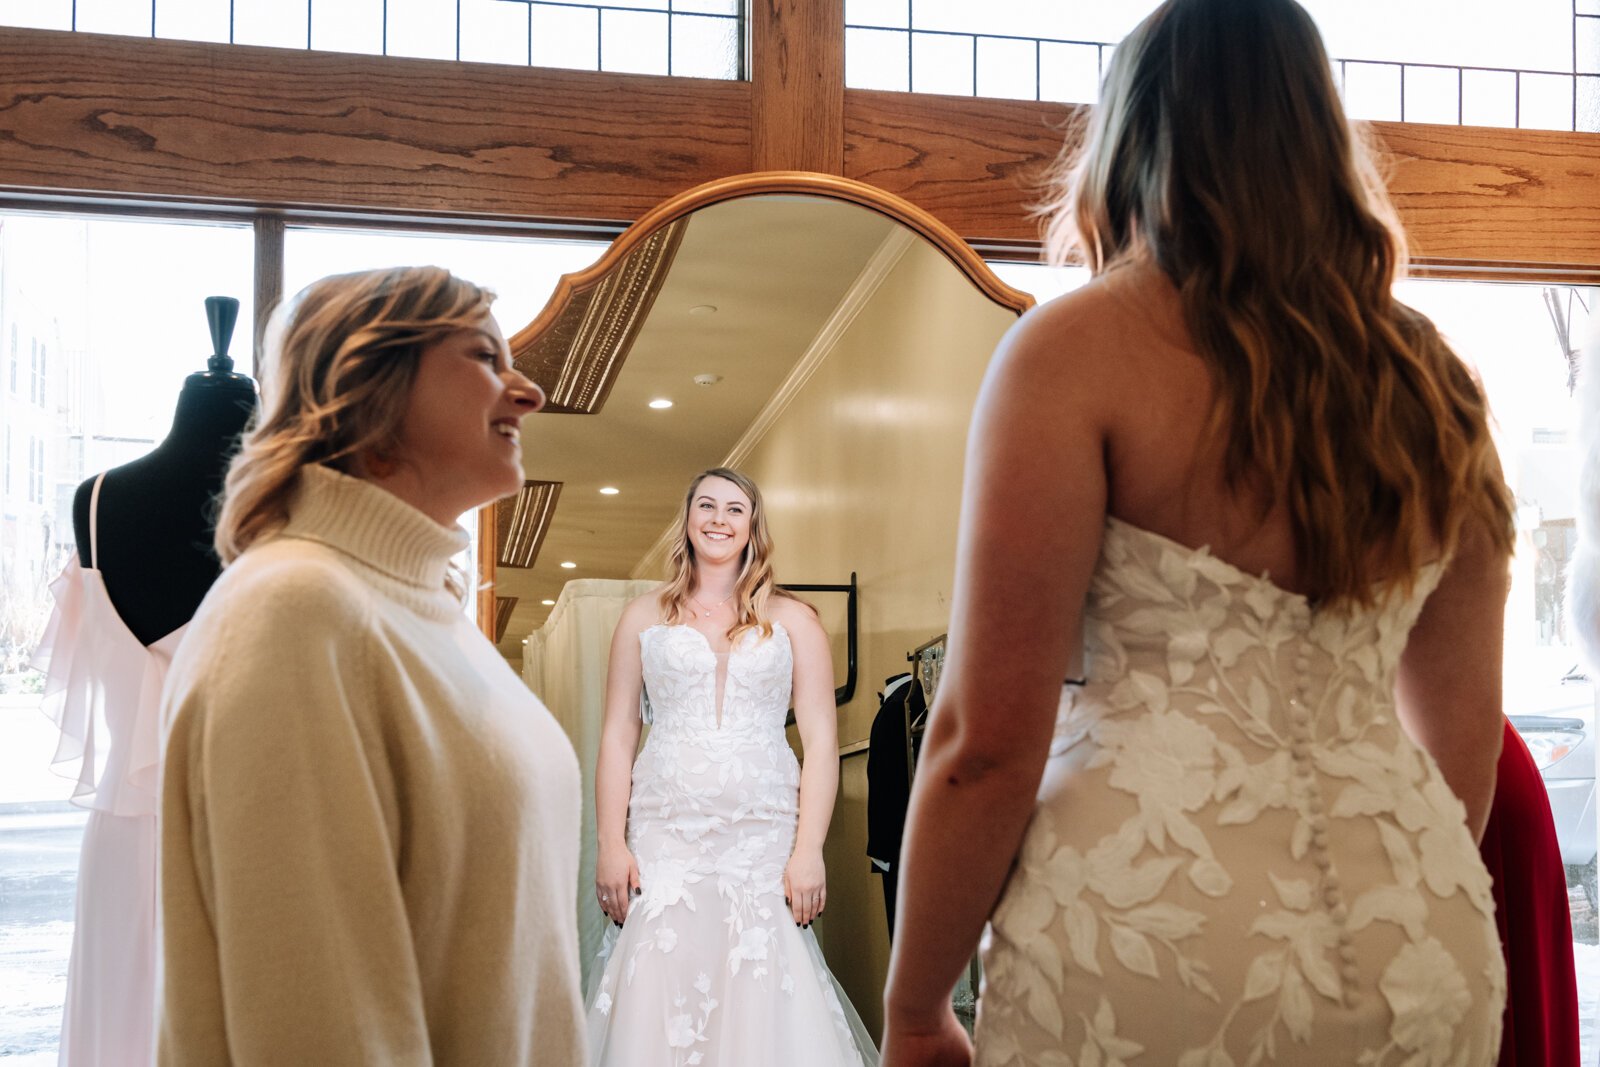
[681, 680]
[1233, 824]
[1165, 623]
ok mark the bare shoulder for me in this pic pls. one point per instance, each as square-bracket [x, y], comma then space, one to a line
[797, 616]
[1066, 350]
[641, 612]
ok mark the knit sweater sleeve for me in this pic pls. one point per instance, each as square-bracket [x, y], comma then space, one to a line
[285, 934]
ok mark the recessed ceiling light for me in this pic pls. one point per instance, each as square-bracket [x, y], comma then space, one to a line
[567, 564]
[548, 603]
[609, 490]
[661, 403]
[703, 309]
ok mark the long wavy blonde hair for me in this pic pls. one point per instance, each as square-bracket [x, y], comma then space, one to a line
[1219, 150]
[341, 358]
[755, 586]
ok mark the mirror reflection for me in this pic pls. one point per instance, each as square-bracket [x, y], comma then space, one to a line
[829, 353]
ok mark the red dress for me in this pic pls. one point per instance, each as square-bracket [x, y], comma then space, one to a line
[1530, 896]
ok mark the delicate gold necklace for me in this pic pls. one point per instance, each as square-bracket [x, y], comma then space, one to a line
[706, 612]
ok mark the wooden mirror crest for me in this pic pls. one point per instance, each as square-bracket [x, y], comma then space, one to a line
[576, 347]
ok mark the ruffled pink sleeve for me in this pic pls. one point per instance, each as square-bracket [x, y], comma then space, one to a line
[68, 687]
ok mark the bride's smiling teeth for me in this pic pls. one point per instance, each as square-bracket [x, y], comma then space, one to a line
[507, 429]
[717, 536]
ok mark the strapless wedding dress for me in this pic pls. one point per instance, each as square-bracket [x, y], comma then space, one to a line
[710, 969]
[1238, 856]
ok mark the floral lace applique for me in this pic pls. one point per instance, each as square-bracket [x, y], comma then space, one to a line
[1247, 850]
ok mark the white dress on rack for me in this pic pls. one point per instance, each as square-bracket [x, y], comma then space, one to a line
[1237, 855]
[103, 689]
[710, 969]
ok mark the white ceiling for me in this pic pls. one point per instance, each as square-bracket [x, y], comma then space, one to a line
[775, 269]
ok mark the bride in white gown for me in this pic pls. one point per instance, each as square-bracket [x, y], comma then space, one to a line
[710, 850]
[1252, 504]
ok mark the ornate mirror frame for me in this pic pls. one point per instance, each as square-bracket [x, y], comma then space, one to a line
[640, 253]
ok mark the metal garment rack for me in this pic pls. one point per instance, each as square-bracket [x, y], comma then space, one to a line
[926, 661]
[842, 694]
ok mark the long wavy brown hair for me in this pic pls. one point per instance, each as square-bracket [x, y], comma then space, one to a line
[1219, 151]
[755, 586]
[341, 358]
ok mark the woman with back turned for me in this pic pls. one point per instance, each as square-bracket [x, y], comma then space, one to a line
[1251, 501]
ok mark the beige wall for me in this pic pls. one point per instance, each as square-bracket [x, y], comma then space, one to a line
[862, 472]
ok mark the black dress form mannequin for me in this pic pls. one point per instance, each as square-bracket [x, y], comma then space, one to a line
[156, 514]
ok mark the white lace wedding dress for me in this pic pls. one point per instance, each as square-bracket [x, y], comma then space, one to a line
[1238, 857]
[710, 969]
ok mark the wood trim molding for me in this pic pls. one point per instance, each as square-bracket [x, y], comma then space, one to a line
[107, 115]
[483, 608]
[979, 164]
[1469, 196]
[797, 85]
[578, 357]
[231, 127]
[770, 183]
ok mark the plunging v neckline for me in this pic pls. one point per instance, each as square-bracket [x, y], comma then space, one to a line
[719, 673]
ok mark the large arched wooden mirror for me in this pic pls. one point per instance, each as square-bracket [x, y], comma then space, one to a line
[824, 337]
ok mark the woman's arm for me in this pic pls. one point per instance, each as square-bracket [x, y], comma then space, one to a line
[616, 873]
[816, 719]
[1032, 512]
[1448, 687]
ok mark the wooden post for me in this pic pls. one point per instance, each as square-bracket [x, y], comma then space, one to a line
[797, 85]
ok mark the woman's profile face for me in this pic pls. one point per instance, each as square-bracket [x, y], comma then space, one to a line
[719, 520]
[460, 441]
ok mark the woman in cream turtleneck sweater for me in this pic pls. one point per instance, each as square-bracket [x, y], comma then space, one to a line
[369, 830]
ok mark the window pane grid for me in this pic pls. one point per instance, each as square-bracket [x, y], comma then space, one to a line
[1000, 65]
[686, 38]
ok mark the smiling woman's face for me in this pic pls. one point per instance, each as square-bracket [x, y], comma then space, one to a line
[460, 444]
[719, 520]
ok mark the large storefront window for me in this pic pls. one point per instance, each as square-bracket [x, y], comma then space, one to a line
[686, 38]
[1522, 340]
[1412, 61]
[100, 321]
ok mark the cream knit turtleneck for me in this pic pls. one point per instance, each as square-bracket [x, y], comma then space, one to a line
[369, 826]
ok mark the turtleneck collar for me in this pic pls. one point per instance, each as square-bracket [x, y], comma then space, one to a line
[373, 525]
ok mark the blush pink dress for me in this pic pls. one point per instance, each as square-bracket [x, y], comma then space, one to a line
[103, 689]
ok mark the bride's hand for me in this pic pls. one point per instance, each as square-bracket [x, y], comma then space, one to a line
[805, 886]
[616, 881]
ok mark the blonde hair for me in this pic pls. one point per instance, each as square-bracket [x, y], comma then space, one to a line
[755, 585]
[341, 358]
[1219, 150]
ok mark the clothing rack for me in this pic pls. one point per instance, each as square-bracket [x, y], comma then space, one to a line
[927, 661]
[842, 694]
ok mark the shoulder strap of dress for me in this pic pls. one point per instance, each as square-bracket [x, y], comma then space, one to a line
[94, 521]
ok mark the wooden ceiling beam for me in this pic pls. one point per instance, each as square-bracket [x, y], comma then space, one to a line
[119, 116]
[101, 116]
